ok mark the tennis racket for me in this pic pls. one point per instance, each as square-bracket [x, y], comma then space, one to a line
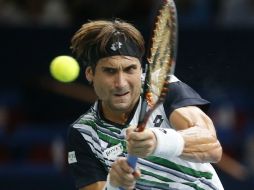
[161, 64]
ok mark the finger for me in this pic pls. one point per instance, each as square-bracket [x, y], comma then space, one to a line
[121, 174]
[122, 162]
[140, 136]
[125, 180]
[140, 149]
[130, 130]
[137, 173]
[143, 145]
[141, 153]
[146, 144]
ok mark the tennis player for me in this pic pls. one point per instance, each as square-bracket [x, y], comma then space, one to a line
[179, 142]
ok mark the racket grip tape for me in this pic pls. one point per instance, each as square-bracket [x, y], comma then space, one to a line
[132, 161]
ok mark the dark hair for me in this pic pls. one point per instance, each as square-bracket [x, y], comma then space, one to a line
[90, 42]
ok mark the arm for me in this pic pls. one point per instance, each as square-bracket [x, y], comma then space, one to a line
[197, 129]
[192, 125]
[194, 138]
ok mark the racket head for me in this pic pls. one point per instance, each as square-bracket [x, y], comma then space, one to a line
[161, 63]
[161, 58]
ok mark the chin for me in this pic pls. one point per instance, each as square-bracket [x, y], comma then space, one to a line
[121, 107]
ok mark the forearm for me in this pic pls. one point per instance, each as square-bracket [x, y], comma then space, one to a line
[199, 135]
[200, 145]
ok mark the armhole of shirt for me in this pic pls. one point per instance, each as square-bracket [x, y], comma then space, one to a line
[181, 95]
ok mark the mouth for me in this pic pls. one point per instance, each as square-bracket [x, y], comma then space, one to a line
[121, 94]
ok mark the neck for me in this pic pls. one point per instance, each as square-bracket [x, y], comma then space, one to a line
[119, 117]
[116, 117]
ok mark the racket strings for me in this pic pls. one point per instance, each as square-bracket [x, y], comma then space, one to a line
[161, 54]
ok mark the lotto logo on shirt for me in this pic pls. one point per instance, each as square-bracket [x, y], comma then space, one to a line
[158, 120]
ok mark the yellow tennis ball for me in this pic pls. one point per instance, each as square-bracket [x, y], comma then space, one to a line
[64, 68]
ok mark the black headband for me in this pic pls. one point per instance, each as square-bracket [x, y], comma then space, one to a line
[118, 44]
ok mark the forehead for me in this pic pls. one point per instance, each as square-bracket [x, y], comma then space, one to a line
[118, 61]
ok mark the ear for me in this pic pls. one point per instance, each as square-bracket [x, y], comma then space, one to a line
[89, 74]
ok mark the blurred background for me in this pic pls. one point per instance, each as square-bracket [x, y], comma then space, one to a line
[215, 57]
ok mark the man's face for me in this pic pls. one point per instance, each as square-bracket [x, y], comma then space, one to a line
[117, 83]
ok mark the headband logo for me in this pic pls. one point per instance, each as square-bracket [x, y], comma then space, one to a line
[116, 45]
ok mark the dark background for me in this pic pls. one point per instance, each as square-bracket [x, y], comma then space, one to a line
[215, 57]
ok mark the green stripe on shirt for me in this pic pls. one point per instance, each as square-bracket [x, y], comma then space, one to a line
[177, 167]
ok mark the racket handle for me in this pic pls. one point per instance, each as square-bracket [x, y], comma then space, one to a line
[132, 161]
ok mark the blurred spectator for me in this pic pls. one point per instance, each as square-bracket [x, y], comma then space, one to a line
[3, 119]
[58, 153]
[52, 13]
[236, 13]
[224, 116]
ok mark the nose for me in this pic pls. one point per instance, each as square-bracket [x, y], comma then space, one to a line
[120, 80]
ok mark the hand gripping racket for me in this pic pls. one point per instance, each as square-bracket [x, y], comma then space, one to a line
[161, 64]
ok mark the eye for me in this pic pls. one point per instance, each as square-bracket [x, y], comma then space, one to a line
[131, 69]
[110, 70]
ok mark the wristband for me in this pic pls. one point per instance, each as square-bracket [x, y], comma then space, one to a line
[170, 143]
[108, 186]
